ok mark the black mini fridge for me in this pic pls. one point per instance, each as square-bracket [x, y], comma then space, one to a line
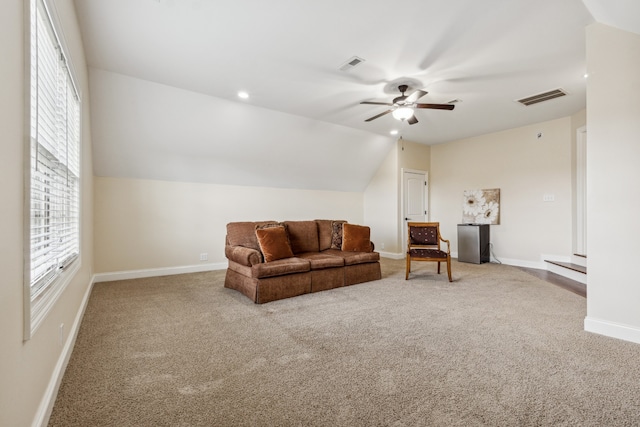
[473, 243]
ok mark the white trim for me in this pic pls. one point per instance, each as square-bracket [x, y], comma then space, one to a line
[48, 400]
[402, 224]
[563, 271]
[522, 263]
[579, 260]
[542, 265]
[581, 190]
[557, 258]
[40, 307]
[154, 272]
[612, 329]
[391, 255]
[510, 261]
[568, 273]
[36, 308]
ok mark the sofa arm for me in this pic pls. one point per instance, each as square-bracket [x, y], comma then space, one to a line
[243, 255]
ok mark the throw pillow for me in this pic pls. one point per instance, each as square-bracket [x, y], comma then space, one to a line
[274, 243]
[336, 234]
[356, 238]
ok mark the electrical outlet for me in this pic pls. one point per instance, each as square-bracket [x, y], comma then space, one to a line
[204, 256]
[381, 245]
[548, 198]
[61, 334]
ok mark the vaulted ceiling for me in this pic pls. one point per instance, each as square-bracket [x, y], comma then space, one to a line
[165, 76]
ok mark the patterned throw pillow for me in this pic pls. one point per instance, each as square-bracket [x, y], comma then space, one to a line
[336, 234]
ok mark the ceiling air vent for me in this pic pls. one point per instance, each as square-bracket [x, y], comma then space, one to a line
[352, 62]
[541, 97]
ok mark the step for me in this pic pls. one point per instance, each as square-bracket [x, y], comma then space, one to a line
[579, 259]
[558, 280]
[569, 265]
[568, 269]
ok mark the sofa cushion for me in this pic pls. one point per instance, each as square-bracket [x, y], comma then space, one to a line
[303, 236]
[319, 261]
[280, 268]
[274, 243]
[336, 234]
[355, 238]
[324, 233]
[353, 258]
[244, 233]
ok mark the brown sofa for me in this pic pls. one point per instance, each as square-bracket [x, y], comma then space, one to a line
[319, 258]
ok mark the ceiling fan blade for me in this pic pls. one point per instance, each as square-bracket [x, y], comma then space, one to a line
[376, 103]
[412, 120]
[415, 96]
[436, 106]
[378, 115]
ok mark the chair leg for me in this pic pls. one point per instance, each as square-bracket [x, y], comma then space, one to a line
[449, 269]
[408, 268]
[438, 267]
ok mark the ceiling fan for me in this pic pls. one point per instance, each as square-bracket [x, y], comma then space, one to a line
[403, 106]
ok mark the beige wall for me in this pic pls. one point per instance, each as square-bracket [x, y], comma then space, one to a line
[381, 204]
[26, 368]
[524, 168]
[383, 196]
[144, 224]
[613, 153]
[412, 155]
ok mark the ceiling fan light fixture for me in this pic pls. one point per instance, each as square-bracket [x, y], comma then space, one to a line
[402, 113]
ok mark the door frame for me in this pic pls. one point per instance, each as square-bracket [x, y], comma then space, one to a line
[581, 191]
[402, 222]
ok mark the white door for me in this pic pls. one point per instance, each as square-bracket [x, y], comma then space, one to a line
[415, 187]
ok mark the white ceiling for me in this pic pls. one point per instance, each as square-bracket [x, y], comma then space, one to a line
[286, 54]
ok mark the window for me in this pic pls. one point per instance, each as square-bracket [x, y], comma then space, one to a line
[54, 170]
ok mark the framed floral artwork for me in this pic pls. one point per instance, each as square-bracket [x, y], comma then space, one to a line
[481, 206]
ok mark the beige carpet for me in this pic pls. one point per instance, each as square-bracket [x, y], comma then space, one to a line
[496, 347]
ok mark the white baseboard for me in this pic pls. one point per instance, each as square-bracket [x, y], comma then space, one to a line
[523, 263]
[154, 272]
[392, 255]
[612, 329]
[511, 261]
[558, 258]
[49, 399]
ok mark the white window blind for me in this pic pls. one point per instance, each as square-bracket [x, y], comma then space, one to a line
[54, 162]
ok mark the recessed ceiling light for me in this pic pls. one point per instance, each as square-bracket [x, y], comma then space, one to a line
[394, 132]
[242, 94]
[586, 75]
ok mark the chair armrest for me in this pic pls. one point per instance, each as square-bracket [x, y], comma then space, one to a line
[448, 244]
[243, 255]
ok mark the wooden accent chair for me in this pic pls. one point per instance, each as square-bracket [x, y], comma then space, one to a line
[423, 244]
